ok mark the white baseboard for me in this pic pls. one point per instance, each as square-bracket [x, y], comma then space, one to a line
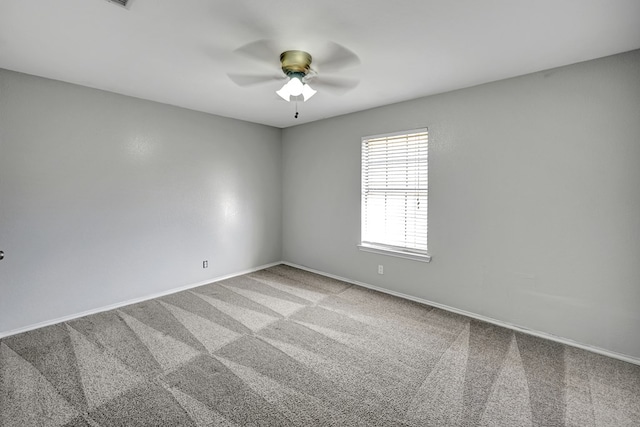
[4, 334]
[507, 325]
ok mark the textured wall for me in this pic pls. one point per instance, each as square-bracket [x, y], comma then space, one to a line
[106, 198]
[534, 209]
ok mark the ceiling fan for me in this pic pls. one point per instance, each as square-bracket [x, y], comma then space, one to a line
[298, 73]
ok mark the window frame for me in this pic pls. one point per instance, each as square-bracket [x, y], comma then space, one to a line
[386, 248]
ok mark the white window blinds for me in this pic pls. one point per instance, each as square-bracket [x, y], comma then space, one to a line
[394, 191]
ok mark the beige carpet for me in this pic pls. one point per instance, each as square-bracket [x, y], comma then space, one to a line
[284, 347]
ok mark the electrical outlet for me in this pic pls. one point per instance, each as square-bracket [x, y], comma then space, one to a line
[205, 264]
[380, 269]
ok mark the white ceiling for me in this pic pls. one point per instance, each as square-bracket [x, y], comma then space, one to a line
[179, 52]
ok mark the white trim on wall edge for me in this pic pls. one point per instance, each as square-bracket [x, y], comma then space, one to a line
[4, 334]
[545, 335]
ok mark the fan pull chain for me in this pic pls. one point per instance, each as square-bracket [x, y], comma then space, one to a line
[296, 115]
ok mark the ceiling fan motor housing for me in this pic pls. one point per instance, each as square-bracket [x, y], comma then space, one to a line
[295, 62]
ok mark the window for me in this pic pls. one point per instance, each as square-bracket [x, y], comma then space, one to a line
[394, 194]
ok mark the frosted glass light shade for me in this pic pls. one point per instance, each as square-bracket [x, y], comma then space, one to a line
[308, 91]
[295, 86]
[284, 92]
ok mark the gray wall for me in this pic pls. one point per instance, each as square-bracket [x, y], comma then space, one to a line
[534, 209]
[106, 198]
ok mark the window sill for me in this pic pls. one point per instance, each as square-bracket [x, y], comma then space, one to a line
[390, 252]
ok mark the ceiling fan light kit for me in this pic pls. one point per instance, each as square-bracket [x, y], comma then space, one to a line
[296, 64]
[295, 87]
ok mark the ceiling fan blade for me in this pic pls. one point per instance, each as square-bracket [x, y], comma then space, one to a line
[337, 85]
[336, 58]
[253, 79]
[261, 50]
